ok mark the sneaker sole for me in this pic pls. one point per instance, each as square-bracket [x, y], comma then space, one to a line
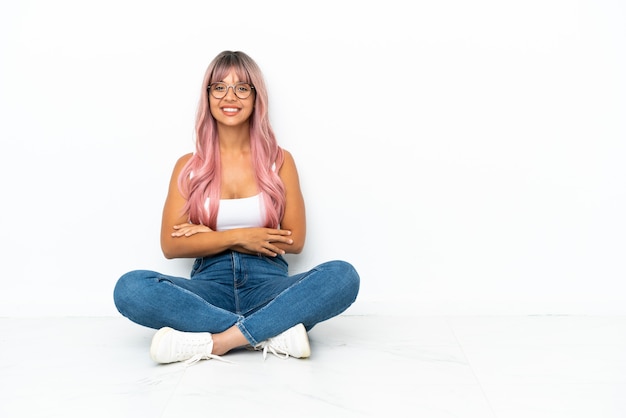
[156, 341]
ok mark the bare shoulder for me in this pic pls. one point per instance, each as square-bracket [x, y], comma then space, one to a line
[288, 171]
[181, 162]
[288, 160]
[184, 159]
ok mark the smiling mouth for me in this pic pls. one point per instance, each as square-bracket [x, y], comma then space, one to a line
[230, 109]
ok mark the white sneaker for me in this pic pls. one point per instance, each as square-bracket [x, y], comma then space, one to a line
[169, 346]
[294, 342]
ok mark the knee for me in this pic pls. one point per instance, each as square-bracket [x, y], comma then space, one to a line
[347, 276]
[127, 287]
[121, 291]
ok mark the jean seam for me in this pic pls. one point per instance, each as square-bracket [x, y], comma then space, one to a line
[246, 333]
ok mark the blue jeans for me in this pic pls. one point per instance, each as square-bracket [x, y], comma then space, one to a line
[254, 292]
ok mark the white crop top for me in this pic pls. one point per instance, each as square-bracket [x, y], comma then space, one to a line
[240, 213]
[246, 212]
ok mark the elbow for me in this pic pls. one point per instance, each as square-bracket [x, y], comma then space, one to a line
[167, 253]
[168, 250]
[296, 247]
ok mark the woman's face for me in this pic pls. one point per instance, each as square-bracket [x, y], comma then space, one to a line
[230, 110]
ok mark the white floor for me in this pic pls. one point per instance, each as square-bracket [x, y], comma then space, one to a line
[361, 366]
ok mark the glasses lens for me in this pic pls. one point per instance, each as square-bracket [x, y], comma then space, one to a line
[243, 90]
[218, 90]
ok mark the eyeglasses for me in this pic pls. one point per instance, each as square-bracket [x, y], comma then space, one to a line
[220, 90]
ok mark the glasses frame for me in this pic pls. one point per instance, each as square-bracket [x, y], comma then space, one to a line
[228, 86]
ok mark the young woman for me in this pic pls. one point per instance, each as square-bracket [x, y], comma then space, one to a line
[235, 205]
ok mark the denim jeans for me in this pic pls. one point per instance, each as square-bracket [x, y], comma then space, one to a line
[254, 292]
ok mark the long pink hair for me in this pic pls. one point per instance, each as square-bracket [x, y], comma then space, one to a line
[201, 177]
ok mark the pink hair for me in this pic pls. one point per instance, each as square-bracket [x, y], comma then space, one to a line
[267, 156]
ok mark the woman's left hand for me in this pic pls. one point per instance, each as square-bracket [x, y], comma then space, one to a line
[187, 230]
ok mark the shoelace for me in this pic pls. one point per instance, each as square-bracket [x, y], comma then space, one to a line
[196, 358]
[269, 347]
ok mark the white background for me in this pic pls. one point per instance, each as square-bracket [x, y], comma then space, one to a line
[468, 157]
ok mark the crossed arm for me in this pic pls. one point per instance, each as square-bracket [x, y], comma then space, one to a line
[180, 239]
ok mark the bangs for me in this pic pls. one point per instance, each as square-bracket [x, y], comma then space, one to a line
[227, 64]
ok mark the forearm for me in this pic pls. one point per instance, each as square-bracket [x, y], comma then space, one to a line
[192, 241]
[197, 245]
